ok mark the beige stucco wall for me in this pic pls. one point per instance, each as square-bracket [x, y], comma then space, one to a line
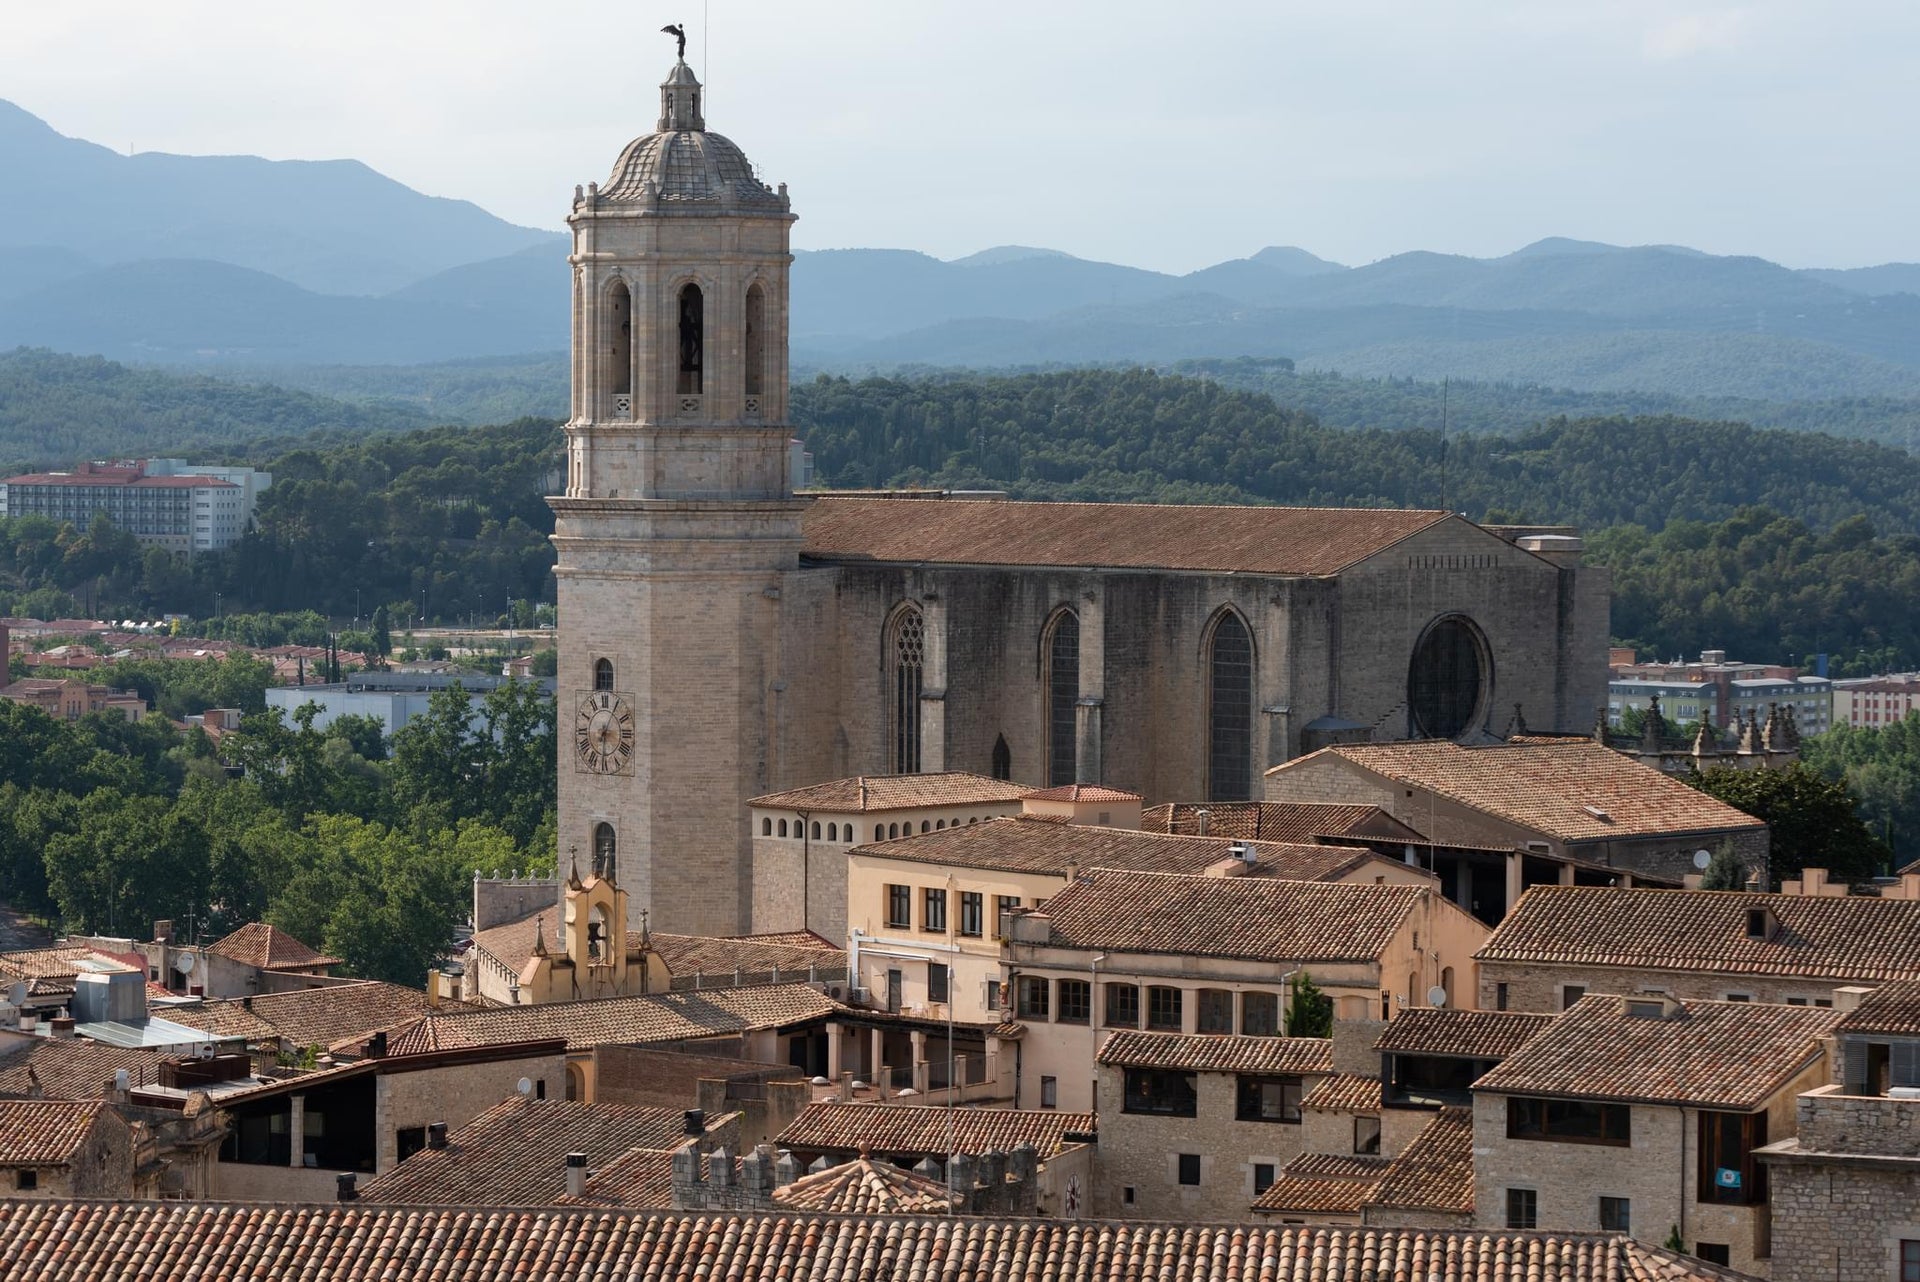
[802, 880]
[454, 1094]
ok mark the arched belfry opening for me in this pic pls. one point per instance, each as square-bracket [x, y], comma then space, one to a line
[605, 849]
[619, 372]
[1002, 759]
[1230, 710]
[1063, 697]
[756, 340]
[693, 341]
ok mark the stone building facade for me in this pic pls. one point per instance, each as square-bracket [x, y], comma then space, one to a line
[726, 638]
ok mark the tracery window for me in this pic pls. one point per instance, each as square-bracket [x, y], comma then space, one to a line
[906, 664]
[1230, 711]
[1002, 759]
[1063, 694]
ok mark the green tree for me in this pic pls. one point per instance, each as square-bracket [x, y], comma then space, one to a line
[1309, 1011]
[1813, 820]
[382, 632]
[1724, 870]
[130, 860]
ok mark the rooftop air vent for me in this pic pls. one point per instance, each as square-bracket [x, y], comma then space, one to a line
[1598, 813]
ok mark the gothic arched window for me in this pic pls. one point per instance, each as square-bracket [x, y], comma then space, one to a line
[619, 339]
[756, 340]
[693, 340]
[906, 663]
[603, 674]
[1002, 759]
[1063, 695]
[1230, 710]
[603, 851]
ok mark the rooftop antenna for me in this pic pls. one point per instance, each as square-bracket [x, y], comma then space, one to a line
[1443, 444]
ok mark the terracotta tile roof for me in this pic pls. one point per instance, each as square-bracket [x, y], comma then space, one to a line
[1251, 917]
[640, 1179]
[713, 955]
[1731, 1055]
[794, 939]
[1474, 1034]
[45, 1132]
[322, 1016]
[1435, 1172]
[862, 793]
[168, 1241]
[267, 947]
[514, 1154]
[1323, 863]
[1039, 845]
[1082, 792]
[1252, 540]
[663, 1017]
[1317, 1194]
[511, 945]
[1854, 938]
[79, 1068]
[1891, 1008]
[1206, 1053]
[1289, 821]
[1553, 788]
[1344, 1093]
[895, 1130]
[866, 1187]
[57, 961]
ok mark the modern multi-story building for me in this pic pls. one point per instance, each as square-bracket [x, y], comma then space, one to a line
[164, 502]
[1875, 701]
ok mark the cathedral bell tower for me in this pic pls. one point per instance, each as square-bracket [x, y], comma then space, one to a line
[678, 525]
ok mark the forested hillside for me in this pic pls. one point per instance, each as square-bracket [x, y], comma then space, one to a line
[1770, 543]
[56, 410]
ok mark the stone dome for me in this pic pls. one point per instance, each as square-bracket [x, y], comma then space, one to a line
[688, 165]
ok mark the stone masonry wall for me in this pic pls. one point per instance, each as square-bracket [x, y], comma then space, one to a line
[1538, 986]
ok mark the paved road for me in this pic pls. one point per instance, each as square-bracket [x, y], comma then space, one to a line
[17, 932]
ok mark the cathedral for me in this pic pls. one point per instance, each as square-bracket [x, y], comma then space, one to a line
[723, 636]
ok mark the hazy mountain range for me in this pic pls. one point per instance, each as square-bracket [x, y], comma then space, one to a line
[225, 261]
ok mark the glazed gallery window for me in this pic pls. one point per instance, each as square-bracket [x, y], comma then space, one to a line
[1123, 1006]
[1076, 1001]
[972, 910]
[935, 917]
[1033, 997]
[1569, 1121]
[1268, 1099]
[1260, 1014]
[1161, 1092]
[1163, 1009]
[1215, 1010]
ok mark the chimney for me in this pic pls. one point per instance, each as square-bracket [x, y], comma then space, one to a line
[62, 1026]
[377, 1048]
[344, 1191]
[696, 1122]
[576, 1174]
[163, 931]
[436, 1135]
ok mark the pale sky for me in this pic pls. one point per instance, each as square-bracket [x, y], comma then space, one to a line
[1165, 135]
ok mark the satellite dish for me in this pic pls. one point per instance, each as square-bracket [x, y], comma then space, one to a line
[17, 995]
[1436, 996]
[185, 963]
[1701, 858]
[526, 1086]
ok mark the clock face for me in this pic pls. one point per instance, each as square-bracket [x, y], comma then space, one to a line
[603, 729]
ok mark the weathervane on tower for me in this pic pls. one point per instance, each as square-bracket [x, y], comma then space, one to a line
[679, 33]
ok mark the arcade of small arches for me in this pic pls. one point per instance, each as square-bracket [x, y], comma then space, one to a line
[835, 833]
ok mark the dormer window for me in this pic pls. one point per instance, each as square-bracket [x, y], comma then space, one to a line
[1760, 923]
[1645, 1010]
